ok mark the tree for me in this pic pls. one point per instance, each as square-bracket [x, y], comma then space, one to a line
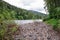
[52, 5]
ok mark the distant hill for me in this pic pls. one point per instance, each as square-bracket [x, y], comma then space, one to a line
[10, 12]
[39, 13]
[36, 12]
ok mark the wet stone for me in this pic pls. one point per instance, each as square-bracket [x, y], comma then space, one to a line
[30, 35]
[18, 39]
[24, 36]
[35, 39]
[34, 29]
[39, 32]
[48, 38]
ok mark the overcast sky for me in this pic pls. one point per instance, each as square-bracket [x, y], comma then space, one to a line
[37, 5]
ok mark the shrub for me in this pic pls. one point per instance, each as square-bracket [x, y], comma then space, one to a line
[58, 25]
[7, 28]
[54, 23]
[57, 13]
[47, 18]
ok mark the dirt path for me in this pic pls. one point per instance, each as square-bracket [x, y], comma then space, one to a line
[36, 31]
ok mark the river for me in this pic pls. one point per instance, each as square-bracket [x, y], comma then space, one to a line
[27, 21]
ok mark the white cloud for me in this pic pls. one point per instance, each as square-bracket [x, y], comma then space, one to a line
[37, 5]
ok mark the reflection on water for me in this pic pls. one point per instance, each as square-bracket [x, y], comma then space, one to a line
[26, 21]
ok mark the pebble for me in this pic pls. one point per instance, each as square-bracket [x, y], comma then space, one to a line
[34, 31]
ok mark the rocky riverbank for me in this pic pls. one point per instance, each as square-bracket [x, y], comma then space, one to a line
[36, 31]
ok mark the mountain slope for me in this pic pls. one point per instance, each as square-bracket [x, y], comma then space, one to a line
[11, 12]
[39, 13]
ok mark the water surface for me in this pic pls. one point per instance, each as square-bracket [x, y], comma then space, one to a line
[26, 21]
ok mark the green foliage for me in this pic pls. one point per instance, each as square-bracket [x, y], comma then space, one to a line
[7, 28]
[9, 12]
[47, 18]
[54, 13]
[52, 22]
[57, 14]
[55, 23]
[53, 8]
[59, 25]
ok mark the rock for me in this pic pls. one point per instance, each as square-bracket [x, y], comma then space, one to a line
[38, 31]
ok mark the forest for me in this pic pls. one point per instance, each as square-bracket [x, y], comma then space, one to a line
[9, 12]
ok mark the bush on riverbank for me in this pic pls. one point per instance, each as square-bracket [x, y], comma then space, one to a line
[54, 18]
[55, 23]
[7, 28]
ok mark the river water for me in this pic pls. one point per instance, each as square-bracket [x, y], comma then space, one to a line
[27, 21]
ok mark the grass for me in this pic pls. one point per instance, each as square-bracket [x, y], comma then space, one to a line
[55, 23]
[59, 25]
